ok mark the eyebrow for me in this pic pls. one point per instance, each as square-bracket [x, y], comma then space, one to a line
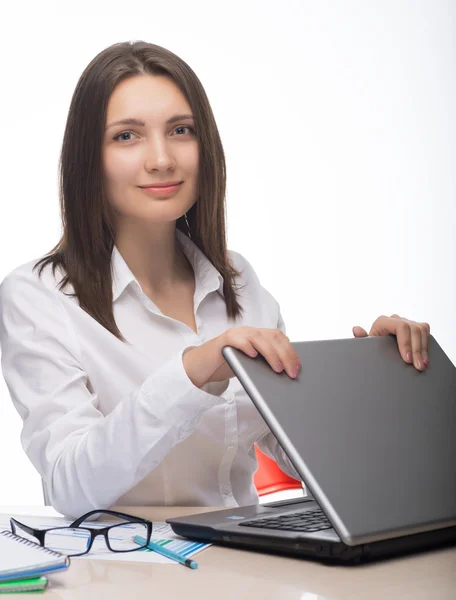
[139, 123]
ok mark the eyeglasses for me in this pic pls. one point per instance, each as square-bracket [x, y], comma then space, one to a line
[74, 540]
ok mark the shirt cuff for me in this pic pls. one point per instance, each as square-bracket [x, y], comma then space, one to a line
[170, 395]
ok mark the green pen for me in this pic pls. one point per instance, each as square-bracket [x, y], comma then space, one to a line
[187, 562]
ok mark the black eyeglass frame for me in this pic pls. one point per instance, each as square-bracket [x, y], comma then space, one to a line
[40, 534]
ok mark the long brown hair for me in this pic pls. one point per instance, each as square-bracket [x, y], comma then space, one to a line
[85, 248]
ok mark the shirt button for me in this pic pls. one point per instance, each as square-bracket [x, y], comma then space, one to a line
[230, 449]
[226, 489]
[230, 397]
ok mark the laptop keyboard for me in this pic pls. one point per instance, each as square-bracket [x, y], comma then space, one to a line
[310, 520]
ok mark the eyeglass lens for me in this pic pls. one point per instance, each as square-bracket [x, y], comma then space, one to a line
[67, 540]
[121, 536]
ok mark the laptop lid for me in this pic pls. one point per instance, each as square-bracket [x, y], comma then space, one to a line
[373, 438]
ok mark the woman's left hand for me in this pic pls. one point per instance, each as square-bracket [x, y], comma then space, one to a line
[412, 337]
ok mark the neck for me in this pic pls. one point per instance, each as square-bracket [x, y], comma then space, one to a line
[155, 257]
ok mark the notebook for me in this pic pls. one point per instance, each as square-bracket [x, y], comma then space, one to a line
[35, 584]
[22, 558]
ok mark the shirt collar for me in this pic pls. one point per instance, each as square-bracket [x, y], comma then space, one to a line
[206, 274]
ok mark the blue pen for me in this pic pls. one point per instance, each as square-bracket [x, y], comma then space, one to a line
[188, 562]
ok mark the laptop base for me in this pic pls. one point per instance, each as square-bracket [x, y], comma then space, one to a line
[330, 552]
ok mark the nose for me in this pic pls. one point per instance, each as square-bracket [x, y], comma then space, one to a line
[159, 154]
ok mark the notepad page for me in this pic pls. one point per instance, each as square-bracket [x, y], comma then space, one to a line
[17, 556]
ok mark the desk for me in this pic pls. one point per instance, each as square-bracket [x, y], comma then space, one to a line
[227, 573]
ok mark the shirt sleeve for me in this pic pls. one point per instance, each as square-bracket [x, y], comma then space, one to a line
[86, 459]
[269, 444]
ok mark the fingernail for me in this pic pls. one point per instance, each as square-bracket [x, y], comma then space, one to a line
[279, 366]
[419, 364]
[425, 360]
[299, 365]
[409, 357]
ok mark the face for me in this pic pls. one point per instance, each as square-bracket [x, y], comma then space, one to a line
[135, 155]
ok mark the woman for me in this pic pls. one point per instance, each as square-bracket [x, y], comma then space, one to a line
[111, 344]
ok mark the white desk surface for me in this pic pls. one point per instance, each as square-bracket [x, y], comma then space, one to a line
[227, 573]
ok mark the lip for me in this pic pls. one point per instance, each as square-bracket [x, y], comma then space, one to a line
[162, 190]
[162, 184]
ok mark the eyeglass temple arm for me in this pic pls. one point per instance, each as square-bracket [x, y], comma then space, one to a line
[108, 512]
[27, 528]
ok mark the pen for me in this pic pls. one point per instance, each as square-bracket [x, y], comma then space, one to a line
[188, 562]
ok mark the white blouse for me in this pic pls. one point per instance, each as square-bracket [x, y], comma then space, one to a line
[108, 423]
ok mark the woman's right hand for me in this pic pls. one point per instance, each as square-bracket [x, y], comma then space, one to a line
[206, 363]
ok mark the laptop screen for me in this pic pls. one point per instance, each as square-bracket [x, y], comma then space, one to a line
[373, 438]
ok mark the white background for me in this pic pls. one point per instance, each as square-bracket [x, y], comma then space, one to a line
[338, 121]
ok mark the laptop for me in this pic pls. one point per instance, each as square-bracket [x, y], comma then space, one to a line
[374, 441]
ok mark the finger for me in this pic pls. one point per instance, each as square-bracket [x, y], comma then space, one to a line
[288, 355]
[404, 341]
[255, 339]
[425, 333]
[275, 346]
[385, 325]
[244, 343]
[238, 337]
[359, 331]
[417, 347]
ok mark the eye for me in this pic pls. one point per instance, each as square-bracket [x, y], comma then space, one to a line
[185, 127]
[123, 133]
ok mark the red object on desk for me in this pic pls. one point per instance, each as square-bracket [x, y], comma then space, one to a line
[270, 478]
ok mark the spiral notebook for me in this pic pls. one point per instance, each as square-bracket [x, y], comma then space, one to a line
[20, 558]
